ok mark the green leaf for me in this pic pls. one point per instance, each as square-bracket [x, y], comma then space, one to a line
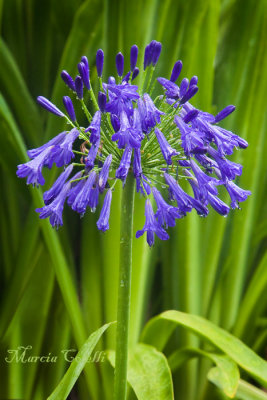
[245, 391]
[29, 252]
[253, 295]
[15, 89]
[159, 329]
[148, 373]
[227, 369]
[68, 381]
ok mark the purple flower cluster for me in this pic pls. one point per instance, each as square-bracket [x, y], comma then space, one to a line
[158, 141]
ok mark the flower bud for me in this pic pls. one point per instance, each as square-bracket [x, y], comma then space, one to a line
[99, 62]
[133, 56]
[79, 87]
[224, 113]
[67, 79]
[84, 72]
[177, 68]
[69, 107]
[49, 106]
[193, 80]
[102, 101]
[184, 86]
[135, 73]
[120, 63]
[156, 53]
[189, 94]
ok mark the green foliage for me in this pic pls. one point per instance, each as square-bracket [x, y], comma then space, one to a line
[148, 373]
[59, 286]
[221, 339]
[66, 384]
[225, 373]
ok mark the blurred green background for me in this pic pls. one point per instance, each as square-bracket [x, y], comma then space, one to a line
[59, 286]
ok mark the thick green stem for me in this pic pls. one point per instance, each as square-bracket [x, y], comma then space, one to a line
[124, 291]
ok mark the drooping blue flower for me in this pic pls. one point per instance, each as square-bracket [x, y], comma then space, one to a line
[185, 203]
[103, 221]
[205, 116]
[122, 171]
[228, 169]
[33, 169]
[172, 90]
[81, 201]
[153, 114]
[152, 226]
[206, 183]
[56, 140]
[225, 140]
[166, 214]
[90, 160]
[219, 206]
[94, 128]
[137, 168]
[190, 116]
[184, 163]
[193, 141]
[200, 202]
[206, 162]
[146, 183]
[121, 97]
[52, 193]
[94, 196]
[167, 151]
[62, 154]
[143, 185]
[115, 122]
[54, 209]
[236, 193]
[103, 175]
[150, 115]
[76, 187]
[127, 134]
[183, 200]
